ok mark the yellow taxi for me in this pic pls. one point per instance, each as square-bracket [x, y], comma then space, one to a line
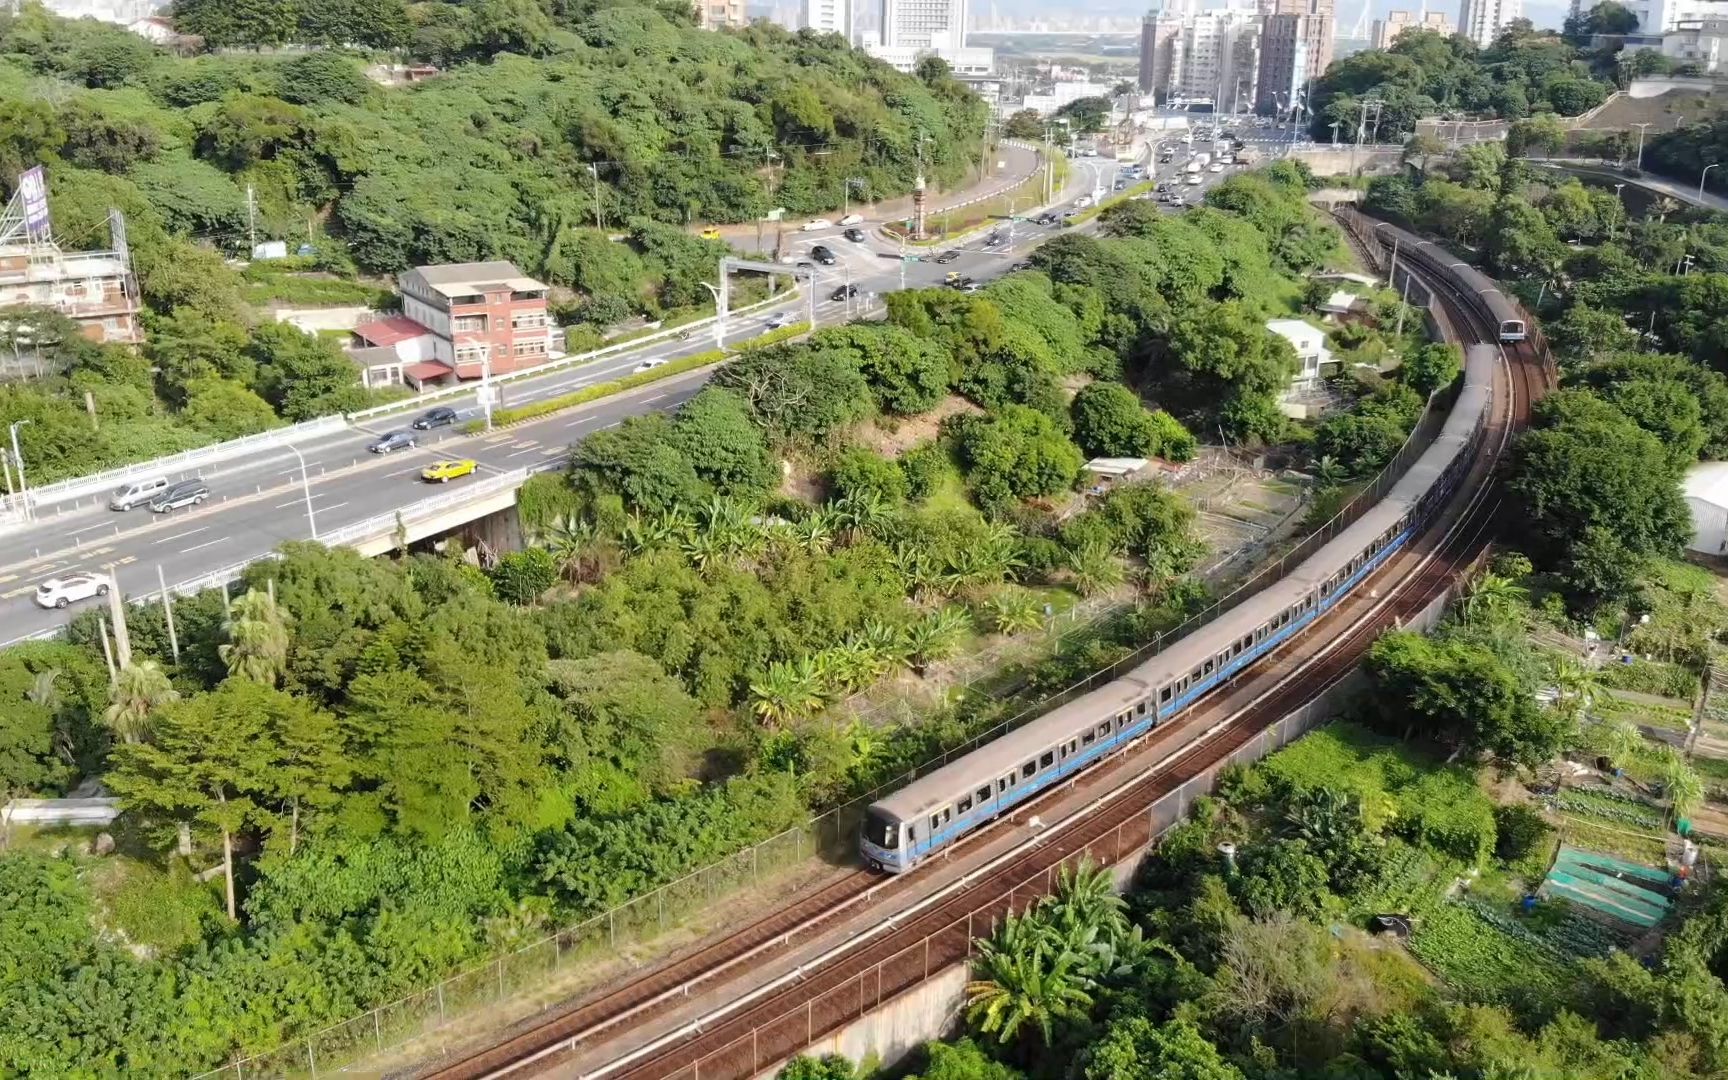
[710, 234]
[445, 471]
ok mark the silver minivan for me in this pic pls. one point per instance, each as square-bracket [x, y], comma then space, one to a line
[137, 493]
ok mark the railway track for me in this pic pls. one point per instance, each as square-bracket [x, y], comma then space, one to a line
[639, 1031]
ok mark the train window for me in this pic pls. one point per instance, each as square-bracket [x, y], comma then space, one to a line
[1002, 784]
[1047, 760]
[983, 794]
[1028, 769]
[1164, 696]
[1140, 709]
[1103, 731]
[966, 804]
[1121, 721]
[1073, 745]
[1195, 674]
[1088, 739]
[935, 823]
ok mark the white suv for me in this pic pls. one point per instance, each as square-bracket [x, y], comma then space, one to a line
[60, 591]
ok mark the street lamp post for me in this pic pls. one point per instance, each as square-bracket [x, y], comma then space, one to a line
[719, 314]
[1621, 203]
[594, 171]
[18, 463]
[1701, 177]
[306, 486]
[1639, 163]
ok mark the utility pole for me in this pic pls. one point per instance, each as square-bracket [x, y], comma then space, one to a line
[251, 218]
[168, 612]
[18, 464]
[594, 171]
[1641, 129]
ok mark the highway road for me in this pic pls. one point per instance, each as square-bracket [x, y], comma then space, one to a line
[257, 502]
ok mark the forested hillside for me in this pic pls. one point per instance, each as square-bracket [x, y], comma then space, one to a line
[394, 767]
[551, 122]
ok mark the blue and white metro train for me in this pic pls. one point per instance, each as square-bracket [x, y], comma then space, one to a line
[936, 810]
[1437, 260]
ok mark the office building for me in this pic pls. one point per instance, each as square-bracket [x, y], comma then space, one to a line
[720, 14]
[923, 24]
[1481, 20]
[828, 17]
[1661, 16]
[1387, 30]
[914, 29]
[1160, 52]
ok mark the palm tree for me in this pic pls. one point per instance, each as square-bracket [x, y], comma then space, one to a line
[1095, 568]
[1575, 686]
[1329, 472]
[1014, 611]
[705, 548]
[137, 692]
[1027, 979]
[814, 534]
[935, 636]
[859, 514]
[567, 540]
[1086, 897]
[788, 692]
[257, 631]
[1493, 597]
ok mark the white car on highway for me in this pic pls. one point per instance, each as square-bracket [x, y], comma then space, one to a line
[817, 223]
[60, 591]
[852, 219]
[778, 322]
[650, 364]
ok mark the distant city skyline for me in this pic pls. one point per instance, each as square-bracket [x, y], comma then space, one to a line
[1123, 17]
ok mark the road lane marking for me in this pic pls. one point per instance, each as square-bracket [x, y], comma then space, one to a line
[656, 397]
[89, 528]
[551, 450]
[4, 578]
[177, 536]
[190, 550]
[524, 450]
[334, 506]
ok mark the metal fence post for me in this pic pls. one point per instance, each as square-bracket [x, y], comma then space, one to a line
[378, 1029]
[311, 1062]
[612, 927]
[500, 978]
[440, 1003]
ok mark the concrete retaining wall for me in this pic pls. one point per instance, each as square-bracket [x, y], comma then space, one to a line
[60, 811]
[1344, 161]
[928, 1011]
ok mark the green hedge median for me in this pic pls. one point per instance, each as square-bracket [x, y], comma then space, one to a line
[537, 409]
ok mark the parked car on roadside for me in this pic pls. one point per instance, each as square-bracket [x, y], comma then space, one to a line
[184, 493]
[137, 493]
[854, 235]
[815, 224]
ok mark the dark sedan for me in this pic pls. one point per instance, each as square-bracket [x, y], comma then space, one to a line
[843, 292]
[948, 256]
[856, 235]
[823, 255]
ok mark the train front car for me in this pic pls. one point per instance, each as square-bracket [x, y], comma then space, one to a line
[880, 841]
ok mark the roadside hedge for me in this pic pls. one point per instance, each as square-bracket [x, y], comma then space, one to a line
[537, 409]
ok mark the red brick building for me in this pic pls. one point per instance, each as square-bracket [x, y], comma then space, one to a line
[462, 320]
